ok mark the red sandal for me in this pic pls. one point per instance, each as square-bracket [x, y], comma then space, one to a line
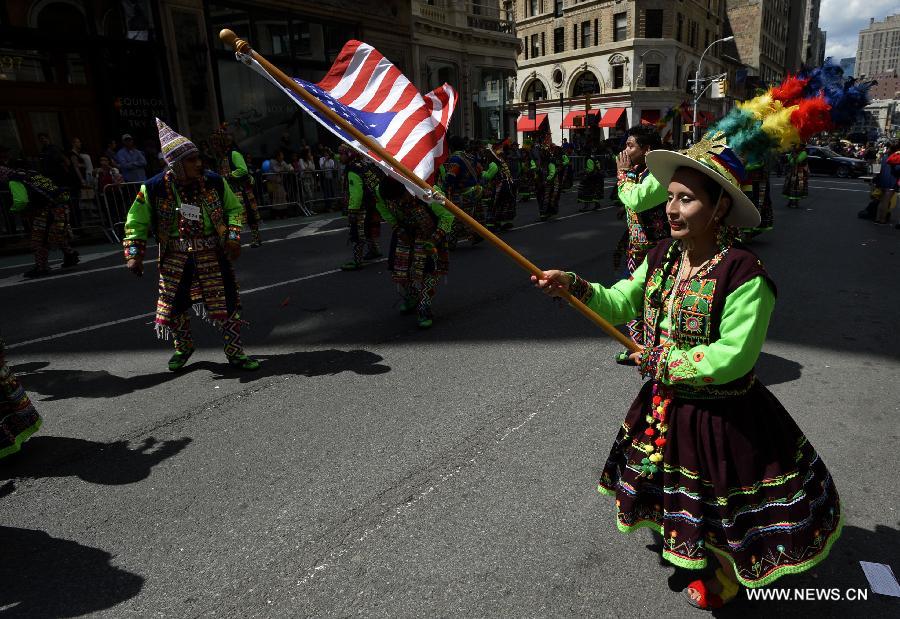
[711, 601]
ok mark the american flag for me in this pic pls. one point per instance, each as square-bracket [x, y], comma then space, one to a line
[377, 99]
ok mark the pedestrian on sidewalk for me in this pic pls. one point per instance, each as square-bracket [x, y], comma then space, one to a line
[197, 220]
[132, 161]
[18, 417]
[44, 205]
[419, 254]
[707, 456]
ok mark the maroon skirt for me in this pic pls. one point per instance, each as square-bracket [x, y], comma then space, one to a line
[738, 478]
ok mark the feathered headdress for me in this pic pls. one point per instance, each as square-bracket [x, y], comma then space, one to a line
[803, 105]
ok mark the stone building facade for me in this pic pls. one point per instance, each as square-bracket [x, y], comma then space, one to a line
[878, 50]
[763, 39]
[598, 67]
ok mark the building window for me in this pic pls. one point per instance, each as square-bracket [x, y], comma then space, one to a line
[558, 8]
[596, 32]
[525, 46]
[535, 45]
[535, 91]
[620, 26]
[559, 40]
[585, 34]
[706, 39]
[586, 84]
[534, 6]
[653, 24]
[679, 32]
[651, 75]
[618, 80]
[677, 76]
[574, 36]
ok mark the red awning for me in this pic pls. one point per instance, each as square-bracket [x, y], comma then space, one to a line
[525, 124]
[703, 118]
[611, 117]
[649, 117]
[577, 119]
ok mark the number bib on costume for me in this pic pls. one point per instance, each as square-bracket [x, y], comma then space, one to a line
[190, 212]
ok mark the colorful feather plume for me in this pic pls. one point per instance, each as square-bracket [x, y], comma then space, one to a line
[792, 112]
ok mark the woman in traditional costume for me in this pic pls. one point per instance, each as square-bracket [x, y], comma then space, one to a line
[707, 456]
[18, 418]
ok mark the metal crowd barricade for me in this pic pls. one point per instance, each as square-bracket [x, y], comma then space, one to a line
[115, 202]
[321, 190]
[280, 193]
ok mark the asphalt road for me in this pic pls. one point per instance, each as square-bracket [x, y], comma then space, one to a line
[373, 469]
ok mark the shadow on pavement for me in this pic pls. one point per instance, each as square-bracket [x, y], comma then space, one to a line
[45, 576]
[774, 370]
[113, 463]
[63, 384]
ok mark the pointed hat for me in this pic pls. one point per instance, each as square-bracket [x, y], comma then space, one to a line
[173, 145]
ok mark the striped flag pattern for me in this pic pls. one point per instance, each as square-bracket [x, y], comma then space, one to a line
[373, 95]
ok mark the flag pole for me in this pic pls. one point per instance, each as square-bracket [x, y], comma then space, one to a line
[230, 38]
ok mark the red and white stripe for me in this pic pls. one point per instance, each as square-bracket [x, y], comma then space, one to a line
[362, 78]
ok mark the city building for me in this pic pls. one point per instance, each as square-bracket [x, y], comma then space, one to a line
[849, 66]
[813, 36]
[878, 49]
[888, 86]
[91, 70]
[762, 37]
[795, 50]
[472, 46]
[593, 68]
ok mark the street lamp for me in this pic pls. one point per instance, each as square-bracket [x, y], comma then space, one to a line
[697, 91]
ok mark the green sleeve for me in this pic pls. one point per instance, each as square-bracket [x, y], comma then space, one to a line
[565, 160]
[802, 156]
[639, 197]
[354, 191]
[589, 166]
[234, 210]
[240, 166]
[445, 217]
[137, 222]
[384, 210]
[533, 165]
[745, 320]
[551, 167]
[621, 302]
[19, 196]
[491, 172]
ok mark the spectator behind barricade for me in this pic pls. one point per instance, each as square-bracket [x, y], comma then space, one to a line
[328, 166]
[106, 174]
[307, 173]
[295, 163]
[81, 186]
[132, 162]
[274, 182]
[110, 152]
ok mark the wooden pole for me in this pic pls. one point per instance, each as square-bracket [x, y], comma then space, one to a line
[230, 38]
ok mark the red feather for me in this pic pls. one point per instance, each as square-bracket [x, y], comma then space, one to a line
[790, 90]
[811, 117]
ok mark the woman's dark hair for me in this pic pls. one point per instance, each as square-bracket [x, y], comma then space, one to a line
[645, 135]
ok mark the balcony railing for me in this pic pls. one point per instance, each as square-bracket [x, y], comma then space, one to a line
[483, 15]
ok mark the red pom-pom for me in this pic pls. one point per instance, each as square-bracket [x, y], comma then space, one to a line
[656, 400]
[649, 432]
[811, 117]
[659, 442]
[790, 90]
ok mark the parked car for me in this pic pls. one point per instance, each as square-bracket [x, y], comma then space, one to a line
[823, 160]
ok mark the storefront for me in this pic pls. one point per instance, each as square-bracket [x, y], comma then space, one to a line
[69, 68]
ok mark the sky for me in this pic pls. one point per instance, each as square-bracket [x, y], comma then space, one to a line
[843, 19]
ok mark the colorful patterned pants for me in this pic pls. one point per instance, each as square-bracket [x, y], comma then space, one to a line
[49, 228]
[363, 235]
[420, 294]
[18, 418]
[183, 337]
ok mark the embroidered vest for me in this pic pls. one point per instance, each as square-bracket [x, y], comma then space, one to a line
[697, 312]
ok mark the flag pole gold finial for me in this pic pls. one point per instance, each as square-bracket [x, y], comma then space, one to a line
[228, 37]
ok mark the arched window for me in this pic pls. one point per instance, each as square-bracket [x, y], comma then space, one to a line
[61, 16]
[585, 84]
[535, 91]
